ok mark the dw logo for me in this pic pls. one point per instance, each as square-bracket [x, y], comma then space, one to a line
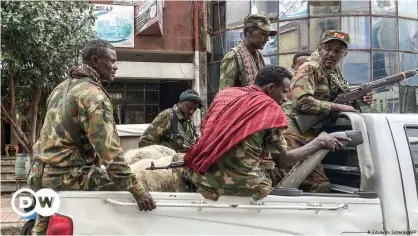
[47, 202]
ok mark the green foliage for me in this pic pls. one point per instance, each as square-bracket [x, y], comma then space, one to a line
[40, 41]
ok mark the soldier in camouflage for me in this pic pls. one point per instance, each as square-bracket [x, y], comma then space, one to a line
[79, 135]
[316, 84]
[238, 171]
[161, 131]
[240, 65]
[298, 60]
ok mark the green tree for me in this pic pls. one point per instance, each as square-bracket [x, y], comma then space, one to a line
[40, 41]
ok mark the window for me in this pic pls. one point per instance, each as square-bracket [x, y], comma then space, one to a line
[383, 7]
[349, 7]
[218, 47]
[383, 36]
[408, 35]
[409, 61]
[412, 135]
[218, 16]
[271, 45]
[318, 26]
[392, 105]
[356, 67]
[406, 8]
[266, 8]
[286, 60]
[384, 64]
[210, 15]
[289, 9]
[271, 60]
[135, 103]
[233, 37]
[213, 81]
[236, 12]
[293, 36]
[359, 28]
[318, 8]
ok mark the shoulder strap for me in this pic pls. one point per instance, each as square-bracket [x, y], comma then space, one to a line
[68, 122]
[175, 127]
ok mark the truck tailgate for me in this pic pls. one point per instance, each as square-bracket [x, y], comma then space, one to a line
[180, 213]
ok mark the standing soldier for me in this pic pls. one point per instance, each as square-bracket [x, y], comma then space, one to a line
[241, 64]
[316, 84]
[174, 128]
[79, 134]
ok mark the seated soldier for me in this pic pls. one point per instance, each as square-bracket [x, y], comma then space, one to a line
[242, 125]
[174, 128]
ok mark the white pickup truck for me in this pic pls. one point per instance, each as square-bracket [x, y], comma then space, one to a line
[374, 191]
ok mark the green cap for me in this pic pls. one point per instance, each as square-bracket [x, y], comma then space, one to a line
[261, 22]
[337, 35]
[191, 95]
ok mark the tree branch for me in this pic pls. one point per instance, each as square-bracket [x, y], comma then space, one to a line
[18, 132]
[33, 115]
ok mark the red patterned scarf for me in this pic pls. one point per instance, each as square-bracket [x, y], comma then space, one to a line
[235, 114]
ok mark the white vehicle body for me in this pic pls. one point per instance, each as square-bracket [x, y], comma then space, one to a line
[387, 198]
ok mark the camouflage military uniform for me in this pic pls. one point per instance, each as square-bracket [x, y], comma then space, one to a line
[159, 132]
[239, 66]
[312, 91]
[238, 172]
[59, 164]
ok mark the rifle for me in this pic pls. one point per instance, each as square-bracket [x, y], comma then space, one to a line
[172, 165]
[305, 122]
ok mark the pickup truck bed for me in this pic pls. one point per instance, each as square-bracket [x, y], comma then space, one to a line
[381, 195]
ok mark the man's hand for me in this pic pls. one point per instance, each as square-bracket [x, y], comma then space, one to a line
[331, 141]
[342, 108]
[368, 99]
[145, 202]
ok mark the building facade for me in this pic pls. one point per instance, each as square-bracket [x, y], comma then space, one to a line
[384, 40]
[155, 44]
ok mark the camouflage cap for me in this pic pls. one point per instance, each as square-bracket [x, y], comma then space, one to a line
[261, 22]
[337, 35]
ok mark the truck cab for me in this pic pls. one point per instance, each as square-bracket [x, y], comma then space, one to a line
[374, 190]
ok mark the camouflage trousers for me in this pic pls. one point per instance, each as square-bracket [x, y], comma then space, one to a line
[89, 178]
[181, 182]
[316, 181]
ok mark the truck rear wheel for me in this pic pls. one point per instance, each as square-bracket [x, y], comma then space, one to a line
[27, 227]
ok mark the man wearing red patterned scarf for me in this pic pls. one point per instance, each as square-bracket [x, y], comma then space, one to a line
[244, 124]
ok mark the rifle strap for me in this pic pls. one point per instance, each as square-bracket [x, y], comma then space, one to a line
[73, 129]
[175, 128]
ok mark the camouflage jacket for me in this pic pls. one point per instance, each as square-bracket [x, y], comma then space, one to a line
[239, 171]
[90, 107]
[159, 132]
[232, 69]
[313, 88]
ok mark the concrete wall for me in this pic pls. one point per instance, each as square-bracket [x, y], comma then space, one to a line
[154, 70]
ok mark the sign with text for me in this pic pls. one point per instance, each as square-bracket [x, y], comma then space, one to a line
[115, 24]
[149, 18]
